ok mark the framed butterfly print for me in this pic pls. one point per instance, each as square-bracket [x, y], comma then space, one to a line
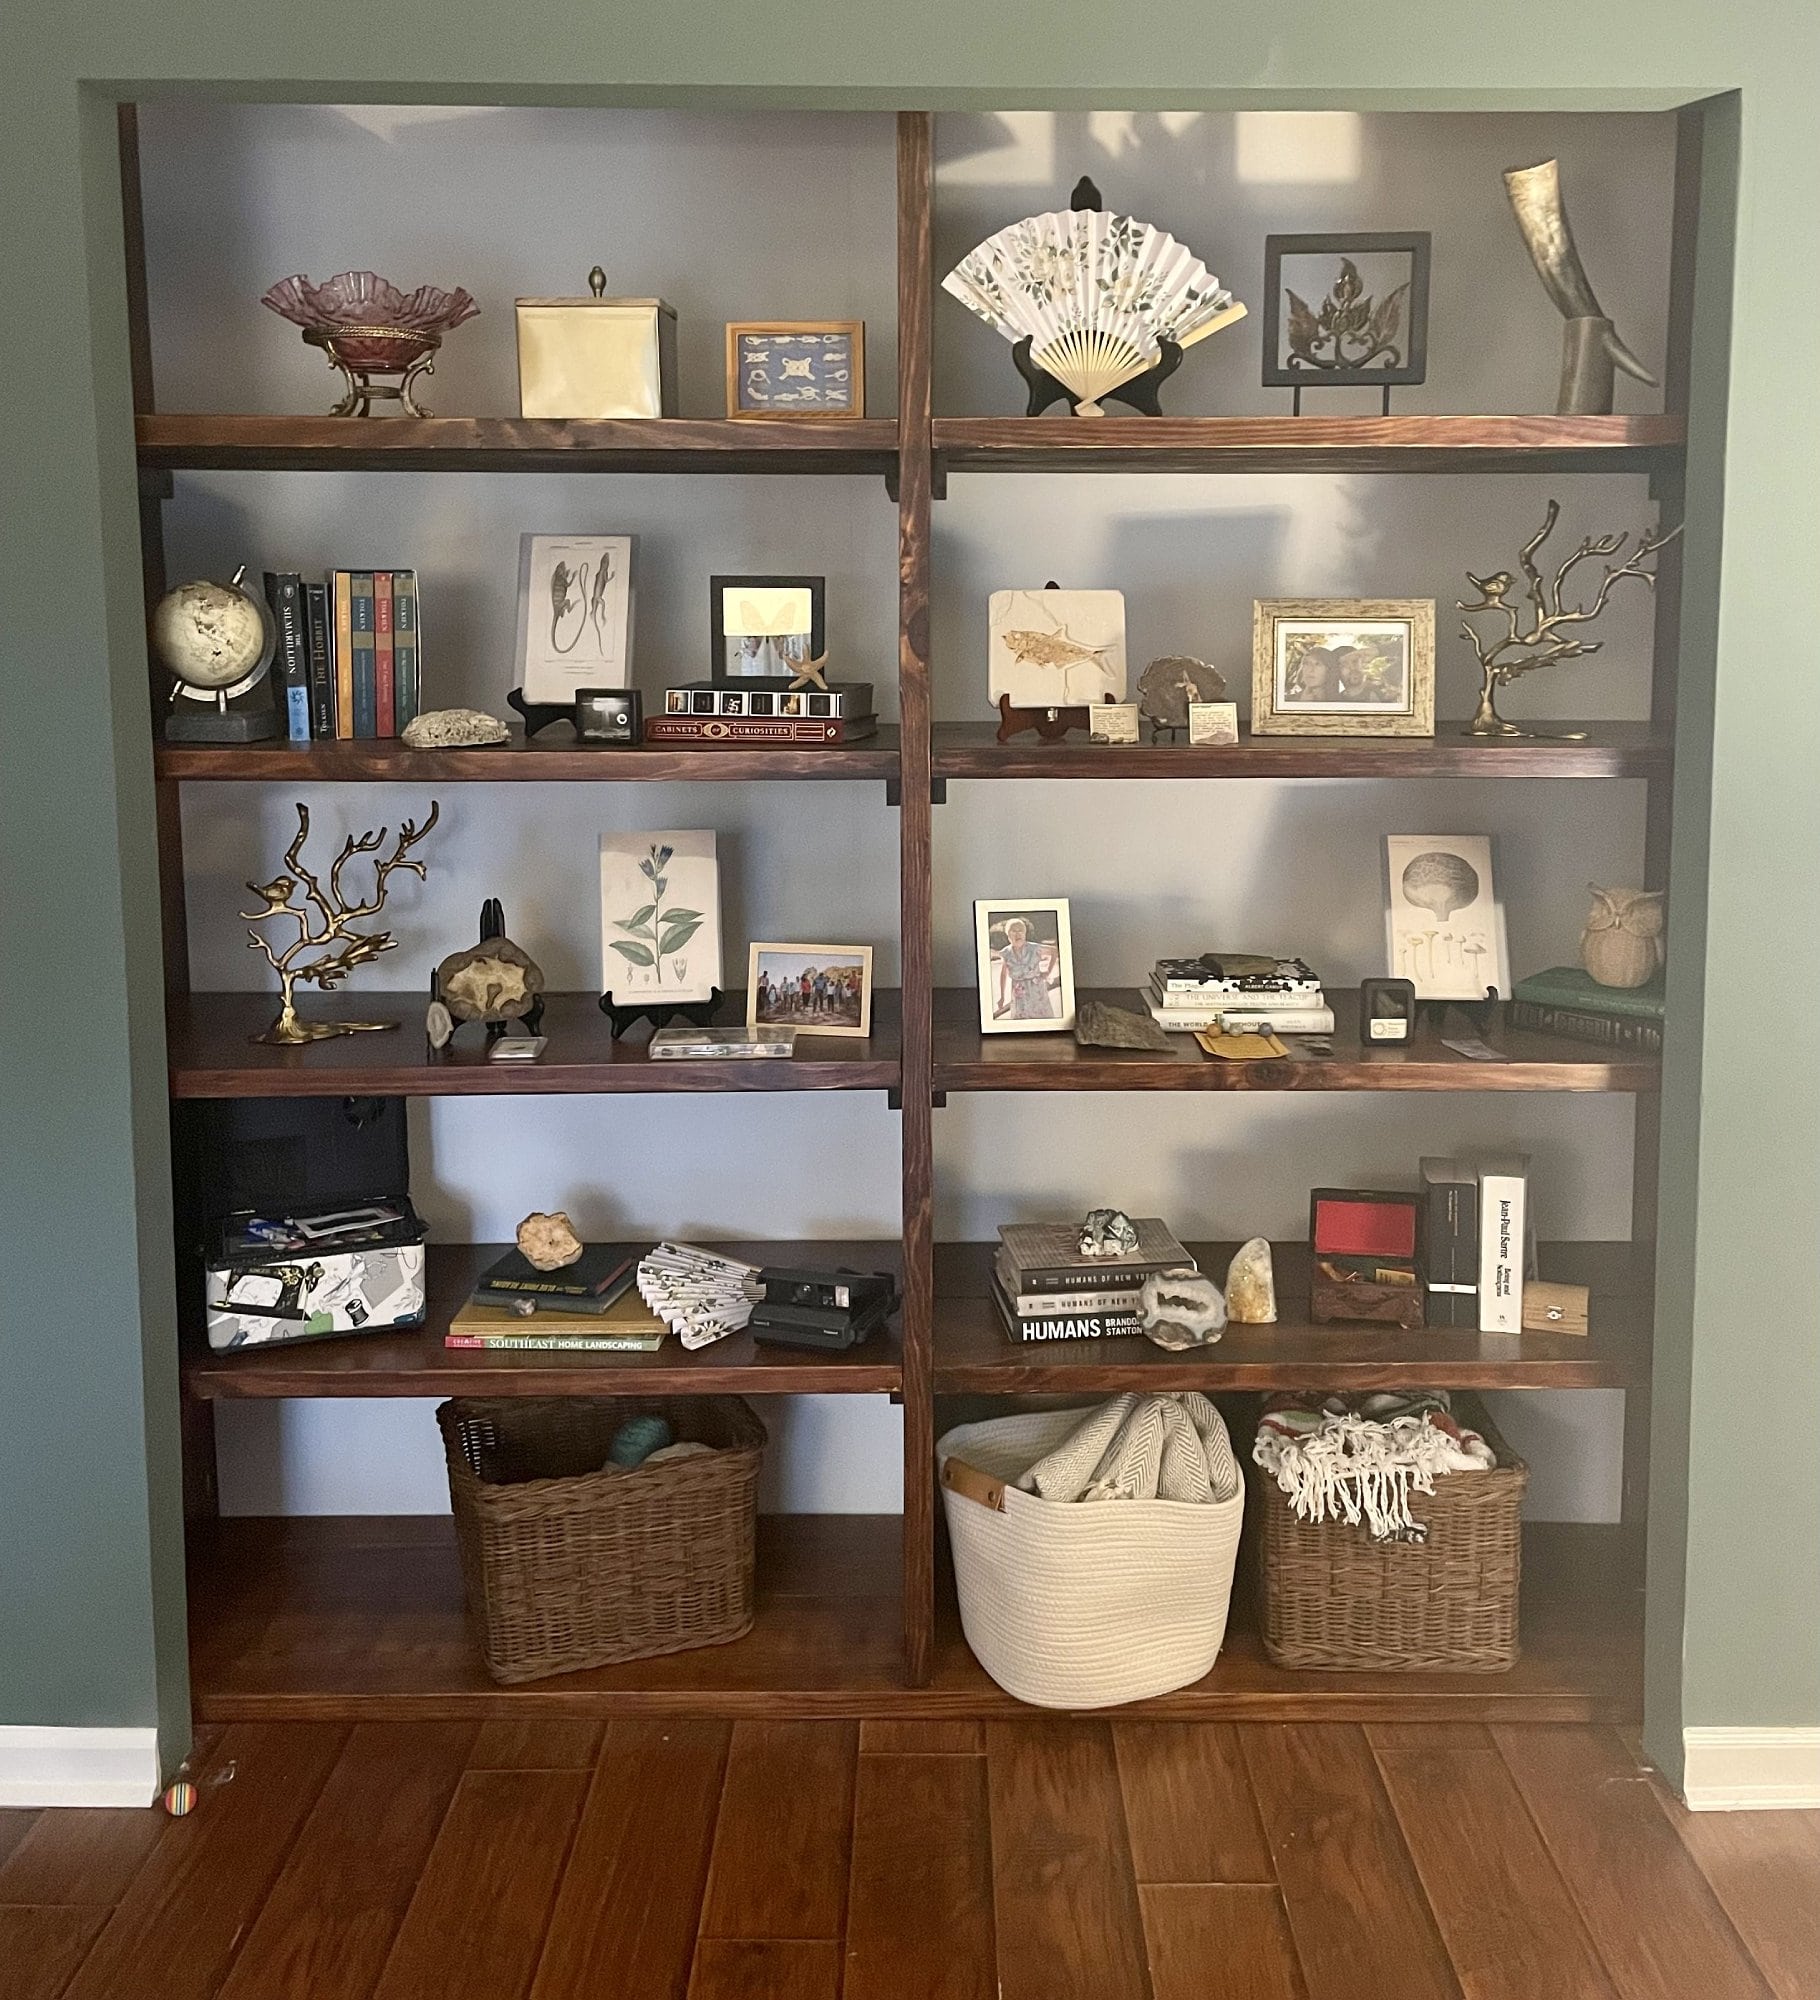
[763, 627]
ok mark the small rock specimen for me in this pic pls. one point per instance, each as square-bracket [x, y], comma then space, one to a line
[454, 729]
[1251, 1285]
[1107, 1232]
[491, 981]
[1168, 685]
[438, 1025]
[1183, 1308]
[1099, 1026]
[548, 1242]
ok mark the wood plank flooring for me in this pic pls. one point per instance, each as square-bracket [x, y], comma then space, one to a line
[1039, 1858]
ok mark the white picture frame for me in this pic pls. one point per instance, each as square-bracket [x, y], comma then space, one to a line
[659, 918]
[1020, 974]
[574, 615]
[1055, 648]
[833, 1008]
[1444, 925]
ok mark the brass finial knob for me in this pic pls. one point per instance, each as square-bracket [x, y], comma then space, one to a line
[597, 282]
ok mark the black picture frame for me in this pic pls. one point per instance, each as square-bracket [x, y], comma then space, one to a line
[718, 586]
[1415, 244]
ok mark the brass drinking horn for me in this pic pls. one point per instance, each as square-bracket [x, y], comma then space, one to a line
[1591, 346]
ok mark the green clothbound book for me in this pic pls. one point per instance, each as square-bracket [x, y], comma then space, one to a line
[1570, 986]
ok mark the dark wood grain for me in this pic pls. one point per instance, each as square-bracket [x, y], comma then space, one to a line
[477, 1921]
[919, 1913]
[80, 1857]
[1656, 1921]
[1612, 750]
[786, 1826]
[325, 1617]
[915, 201]
[414, 1362]
[766, 1969]
[1764, 1867]
[132, 225]
[625, 1916]
[190, 442]
[214, 1053]
[1189, 1813]
[15, 1823]
[1450, 444]
[175, 1931]
[528, 1743]
[1068, 1922]
[42, 1945]
[1230, 1939]
[1355, 1906]
[329, 1924]
[921, 1739]
[965, 1059]
[1509, 1924]
[553, 759]
[974, 1354]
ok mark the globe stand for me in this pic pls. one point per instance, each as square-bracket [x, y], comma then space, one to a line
[247, 718]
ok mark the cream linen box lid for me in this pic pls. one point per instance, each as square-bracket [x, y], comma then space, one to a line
[596, 357]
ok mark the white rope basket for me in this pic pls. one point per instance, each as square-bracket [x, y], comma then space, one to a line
[1084, 1604]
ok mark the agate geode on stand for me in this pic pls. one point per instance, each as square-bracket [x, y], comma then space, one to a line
[370, 329]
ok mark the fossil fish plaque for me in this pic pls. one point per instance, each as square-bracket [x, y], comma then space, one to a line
[1056, 648]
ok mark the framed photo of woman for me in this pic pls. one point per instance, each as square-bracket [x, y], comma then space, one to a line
[1026, 965]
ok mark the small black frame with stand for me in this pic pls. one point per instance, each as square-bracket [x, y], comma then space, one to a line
[1350, 340]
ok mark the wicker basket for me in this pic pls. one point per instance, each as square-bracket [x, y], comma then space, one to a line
[1333, 1598]
[567, 1566]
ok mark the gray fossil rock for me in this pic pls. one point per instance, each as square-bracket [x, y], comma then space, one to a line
[1100, 1026]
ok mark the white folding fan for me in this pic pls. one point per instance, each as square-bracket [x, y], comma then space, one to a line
[1095, 293]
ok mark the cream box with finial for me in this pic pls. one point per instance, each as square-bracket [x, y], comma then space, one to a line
[596, 357]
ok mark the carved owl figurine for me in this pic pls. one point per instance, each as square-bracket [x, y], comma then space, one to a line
[1622, 942]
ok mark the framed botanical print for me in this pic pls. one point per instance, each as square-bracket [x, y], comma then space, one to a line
[806, 370]
[1443, 919]
[659, 917]
[1026, 965]
[1343, 666]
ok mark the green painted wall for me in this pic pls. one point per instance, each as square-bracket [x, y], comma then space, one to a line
[88, 1602]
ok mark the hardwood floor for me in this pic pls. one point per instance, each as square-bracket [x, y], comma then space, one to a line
[668, 1859]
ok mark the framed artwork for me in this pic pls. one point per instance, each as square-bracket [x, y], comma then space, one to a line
[574, 615]
[1026, 965]
[809, 370]
[823, 989]
[659, 917]
[1443, 920]
[765, 626]
[1056, 648]
[1343, 666]
[1346, 310]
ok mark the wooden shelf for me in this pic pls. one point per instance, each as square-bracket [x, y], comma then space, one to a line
[1612, 750]
[557, 759]
[1309, 444]
[967, 1060]
[414, 1362]
[203, 442]
[974, 1355]
[213, 1053]
[362, 1620]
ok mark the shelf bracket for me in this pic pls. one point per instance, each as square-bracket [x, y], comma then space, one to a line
[938, 792]
[156, 483]
[938, 479]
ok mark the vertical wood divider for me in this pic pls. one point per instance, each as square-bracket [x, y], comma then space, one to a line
[1670, 489]
[915, 489]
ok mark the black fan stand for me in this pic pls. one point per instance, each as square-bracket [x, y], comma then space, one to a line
[625, 1014]
[539, 715]
[1139, 393]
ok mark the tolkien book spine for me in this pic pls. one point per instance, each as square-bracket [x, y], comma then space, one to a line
[320, 623]
[406, 621]
[385, 680]
[366, 687]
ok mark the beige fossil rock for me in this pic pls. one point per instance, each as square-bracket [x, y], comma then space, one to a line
[548, 1242]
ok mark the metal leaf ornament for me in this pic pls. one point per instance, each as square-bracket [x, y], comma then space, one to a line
[1351, 329]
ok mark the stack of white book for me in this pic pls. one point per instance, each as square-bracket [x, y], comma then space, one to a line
[1239, 993]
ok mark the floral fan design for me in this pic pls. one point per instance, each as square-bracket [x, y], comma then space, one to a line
[1094, 294]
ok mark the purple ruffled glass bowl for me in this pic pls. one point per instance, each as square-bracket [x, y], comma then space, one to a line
[374, 324]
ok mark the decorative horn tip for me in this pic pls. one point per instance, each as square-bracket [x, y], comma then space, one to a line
[1623, 358]
[1521, 177]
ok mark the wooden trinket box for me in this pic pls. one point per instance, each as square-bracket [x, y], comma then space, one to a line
[1364, 1243]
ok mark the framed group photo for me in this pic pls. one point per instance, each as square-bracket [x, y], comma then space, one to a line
[1343, 666]
[1026, 965]
[823, 989]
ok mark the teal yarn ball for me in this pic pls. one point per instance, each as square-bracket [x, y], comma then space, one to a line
[637, 1438]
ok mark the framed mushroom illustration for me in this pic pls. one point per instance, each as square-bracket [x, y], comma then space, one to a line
[1443, 920]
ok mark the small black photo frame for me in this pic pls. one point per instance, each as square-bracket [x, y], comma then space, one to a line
[608, 715]
[765, 627]
[1346, 311]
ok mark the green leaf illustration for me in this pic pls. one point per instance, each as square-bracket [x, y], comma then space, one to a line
[675, 916]
[637, 953]
[636, 921]
[677, 936]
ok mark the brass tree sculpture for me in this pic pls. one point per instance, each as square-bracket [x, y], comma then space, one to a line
[1554, 626]
[324, 921]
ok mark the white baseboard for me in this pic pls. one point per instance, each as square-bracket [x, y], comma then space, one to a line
[1751, 1770]
[78, 1767]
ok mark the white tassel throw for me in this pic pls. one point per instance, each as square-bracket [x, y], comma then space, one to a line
[1361, 1459]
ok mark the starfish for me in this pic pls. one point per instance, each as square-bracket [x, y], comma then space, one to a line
[811, 673]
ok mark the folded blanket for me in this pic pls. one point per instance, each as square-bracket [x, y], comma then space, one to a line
[1141, 1448]
[1359, 1458]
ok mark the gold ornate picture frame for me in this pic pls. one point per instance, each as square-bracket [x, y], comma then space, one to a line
[799, 371]
[1343, 666]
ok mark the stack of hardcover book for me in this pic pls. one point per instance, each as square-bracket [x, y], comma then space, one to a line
[1045, 1289]
[1474, 1241]
[348, 660]
[1567, 1001]
[764, 711]
[1240, 994]
[589, 1306]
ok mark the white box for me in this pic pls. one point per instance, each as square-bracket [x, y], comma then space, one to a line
[1503, 1237]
